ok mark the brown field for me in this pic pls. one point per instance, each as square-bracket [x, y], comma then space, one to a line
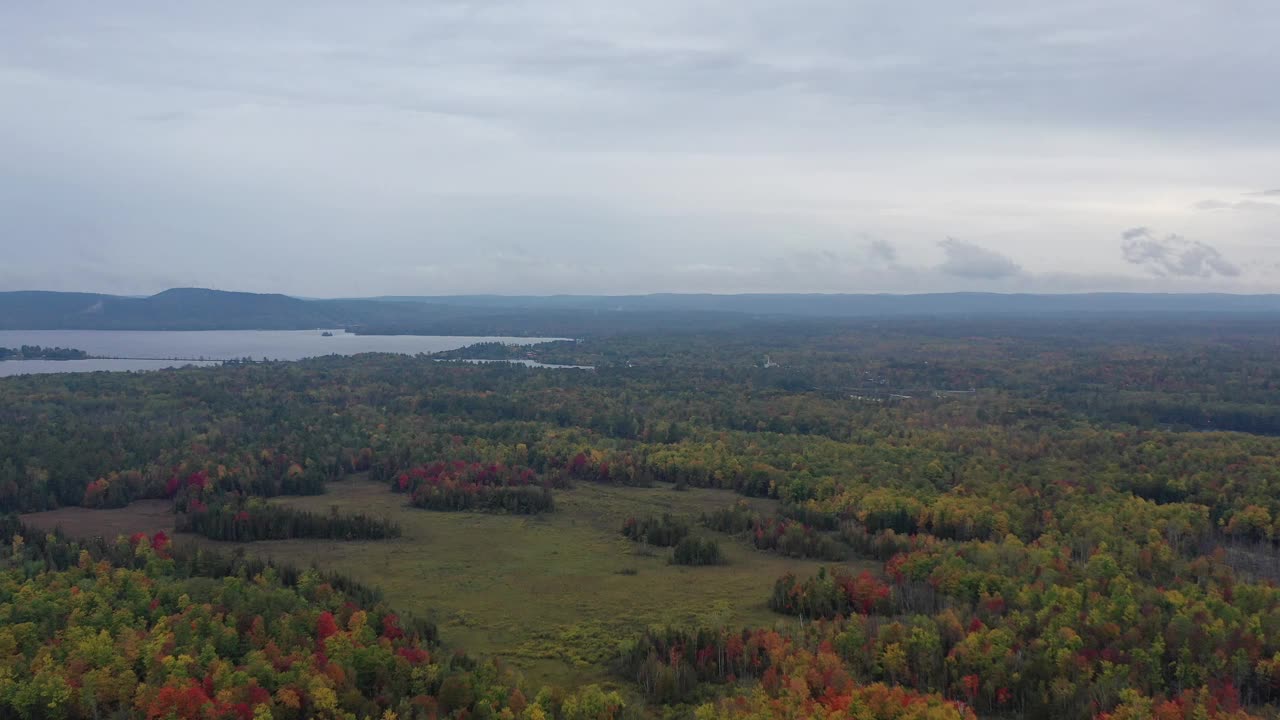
[149, 516]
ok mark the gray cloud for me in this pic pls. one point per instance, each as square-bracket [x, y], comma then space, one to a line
[966, 260]
[1242, 205]
[882, 251]
[1266, 193]
[1174, 255]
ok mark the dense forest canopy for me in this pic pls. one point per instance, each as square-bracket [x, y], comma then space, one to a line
[1069, 518]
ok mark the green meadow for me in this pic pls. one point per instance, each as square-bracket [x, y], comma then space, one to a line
[552, 593]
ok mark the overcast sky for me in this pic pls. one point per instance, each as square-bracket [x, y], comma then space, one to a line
[555, 146]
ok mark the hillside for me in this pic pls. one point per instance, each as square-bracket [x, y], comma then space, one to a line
[192, 309]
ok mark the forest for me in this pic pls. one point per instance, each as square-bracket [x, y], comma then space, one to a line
[1003, 517]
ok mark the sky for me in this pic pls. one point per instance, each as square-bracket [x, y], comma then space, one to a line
[333, 149]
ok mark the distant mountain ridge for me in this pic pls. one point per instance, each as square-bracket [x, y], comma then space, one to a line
[189, 309]
[204, 309]
[868, 305]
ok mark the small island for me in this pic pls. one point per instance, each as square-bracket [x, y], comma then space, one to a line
[35, 352]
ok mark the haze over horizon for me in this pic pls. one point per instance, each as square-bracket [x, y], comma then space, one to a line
[519, 147]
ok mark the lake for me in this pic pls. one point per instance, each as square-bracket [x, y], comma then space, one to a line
[156, 349]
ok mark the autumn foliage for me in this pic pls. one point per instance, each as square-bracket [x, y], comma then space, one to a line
[491, 487]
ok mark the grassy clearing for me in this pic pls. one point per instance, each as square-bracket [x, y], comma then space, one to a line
[551, 593]
[149, 516]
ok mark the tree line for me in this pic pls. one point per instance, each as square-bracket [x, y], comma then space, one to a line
[249, 519]
[36, 352]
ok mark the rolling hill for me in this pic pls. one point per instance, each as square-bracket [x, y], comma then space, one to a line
[192, 309]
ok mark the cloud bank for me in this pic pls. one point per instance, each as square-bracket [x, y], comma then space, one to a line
[562, 146]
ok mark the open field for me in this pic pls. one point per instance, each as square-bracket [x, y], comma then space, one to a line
[149, 516]
[551, 593]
